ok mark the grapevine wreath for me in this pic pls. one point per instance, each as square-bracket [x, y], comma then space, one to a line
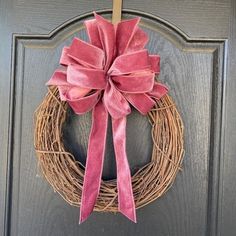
[106, 75]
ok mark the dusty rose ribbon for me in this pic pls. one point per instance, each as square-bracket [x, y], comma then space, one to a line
[106, 75]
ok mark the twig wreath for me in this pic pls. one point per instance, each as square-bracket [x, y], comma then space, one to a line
[106, 75]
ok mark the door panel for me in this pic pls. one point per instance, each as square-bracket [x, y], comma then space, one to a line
[193, 63]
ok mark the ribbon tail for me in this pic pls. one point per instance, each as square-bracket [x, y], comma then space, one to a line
[94, 163]
[124, 184]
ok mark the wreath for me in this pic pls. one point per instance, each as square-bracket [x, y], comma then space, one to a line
[106, 75]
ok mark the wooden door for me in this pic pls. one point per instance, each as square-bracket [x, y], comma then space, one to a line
[197, 44]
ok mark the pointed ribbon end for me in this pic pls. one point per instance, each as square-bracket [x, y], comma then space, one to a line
[131, 215]
[83, 217]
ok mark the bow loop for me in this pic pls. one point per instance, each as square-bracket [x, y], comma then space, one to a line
[84, 104]
[124, 33]
[86, 54]
[134, 83]
[107, 36]
[142, 102]
[130, 63]
[158, 91]
[93, 33]
[155, 63]
[86, 77]
[129, 37]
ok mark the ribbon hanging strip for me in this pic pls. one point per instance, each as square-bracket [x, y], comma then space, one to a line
[106, 75]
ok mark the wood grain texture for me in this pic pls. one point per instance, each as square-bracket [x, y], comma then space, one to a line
[43, 15]
[194, 73]
[227, 214]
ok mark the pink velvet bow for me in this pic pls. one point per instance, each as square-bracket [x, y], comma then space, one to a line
[106, 76]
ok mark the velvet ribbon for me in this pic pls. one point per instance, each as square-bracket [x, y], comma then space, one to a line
[106, 75]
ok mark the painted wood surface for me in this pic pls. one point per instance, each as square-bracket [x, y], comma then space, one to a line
[195, 39]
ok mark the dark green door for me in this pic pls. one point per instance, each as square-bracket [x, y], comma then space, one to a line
[197, 44]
